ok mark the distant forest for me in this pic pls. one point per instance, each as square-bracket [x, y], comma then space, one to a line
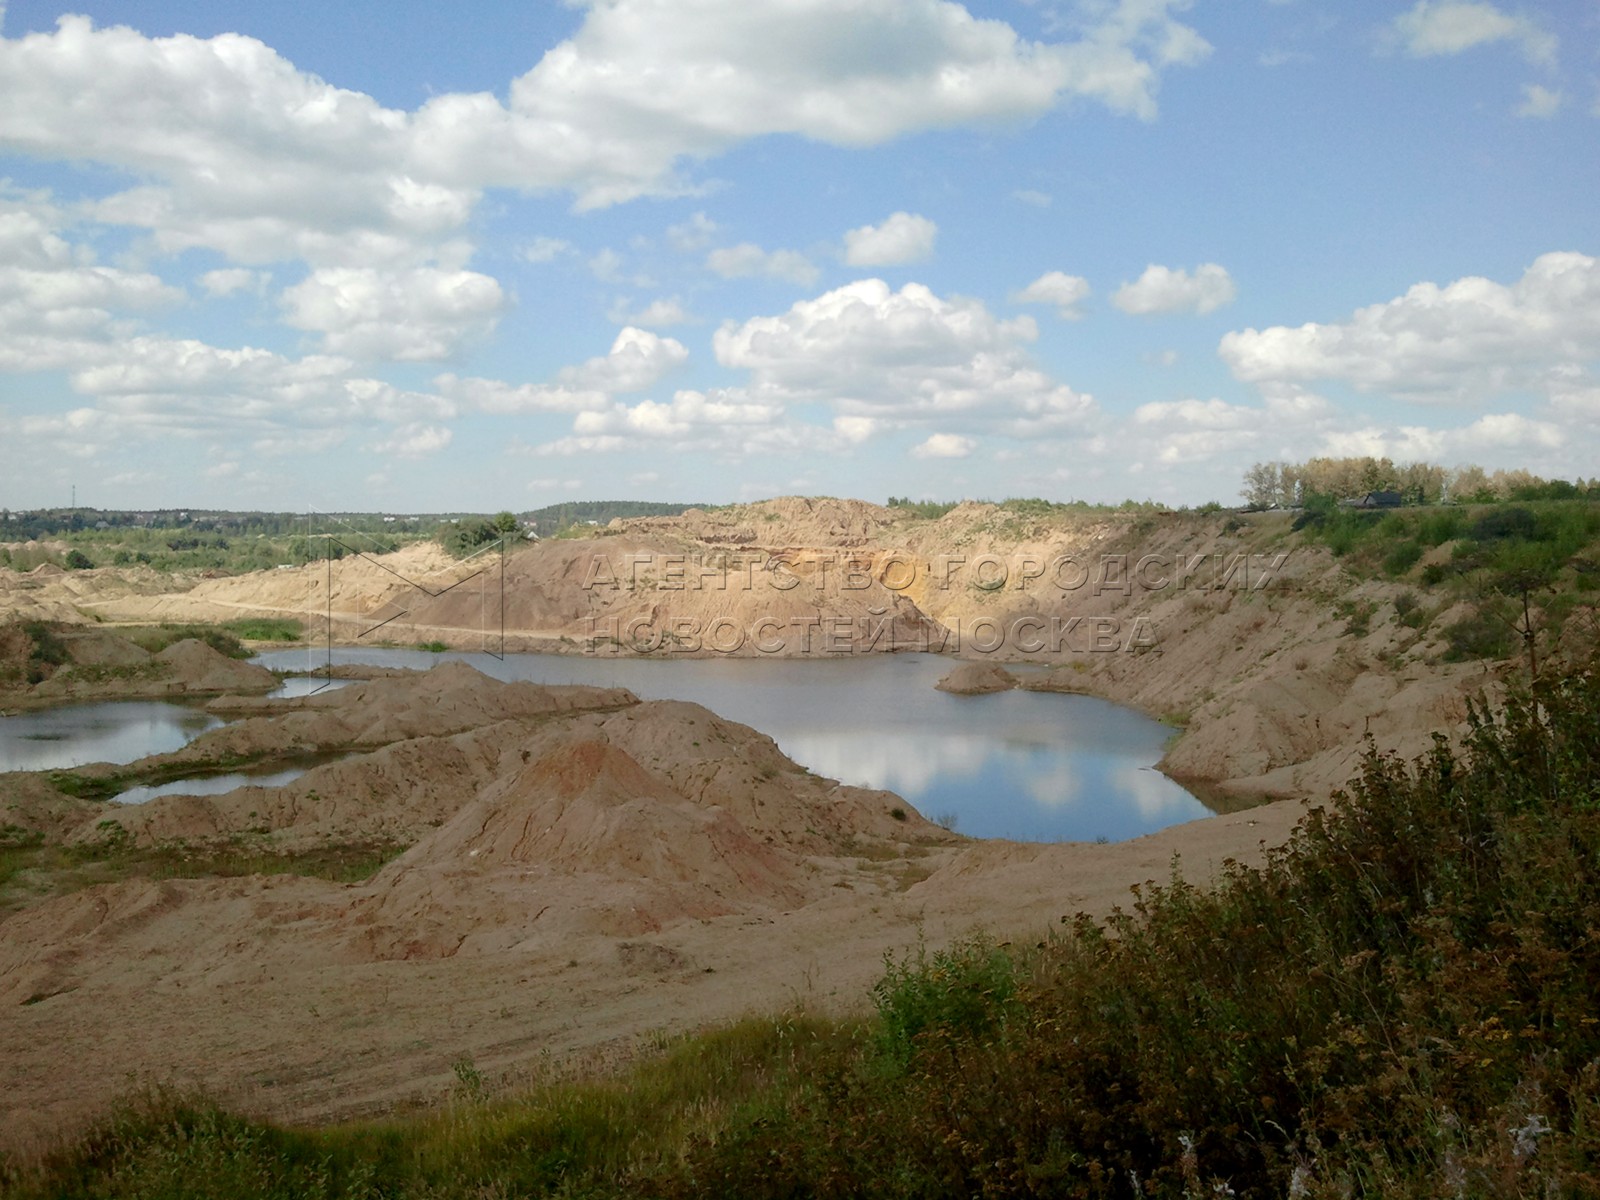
[1292, 485]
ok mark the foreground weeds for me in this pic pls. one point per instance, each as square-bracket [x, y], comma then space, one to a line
[1400, 1003]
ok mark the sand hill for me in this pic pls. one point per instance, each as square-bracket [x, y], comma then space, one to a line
[1192, 619]
[581, 868]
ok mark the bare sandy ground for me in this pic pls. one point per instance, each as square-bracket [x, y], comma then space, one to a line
[584, 870]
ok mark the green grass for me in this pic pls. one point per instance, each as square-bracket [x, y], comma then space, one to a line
[1399, 1003]
[31, 869]
[266, 629]
[156, 638]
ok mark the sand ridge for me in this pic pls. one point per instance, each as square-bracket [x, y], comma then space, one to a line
[582, 868]
[555, 824]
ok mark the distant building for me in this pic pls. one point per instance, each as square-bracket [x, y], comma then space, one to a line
[1377, 500]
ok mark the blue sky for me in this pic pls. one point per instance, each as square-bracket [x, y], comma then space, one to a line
[384, 256]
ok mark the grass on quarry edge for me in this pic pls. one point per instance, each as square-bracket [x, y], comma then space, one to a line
[266, 629]
[1516, 565]
[224, 637]
[1399, 1003]
[30, 868]
[40, 651]
[1558, 539]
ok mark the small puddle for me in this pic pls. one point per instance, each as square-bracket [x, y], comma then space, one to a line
[210, 785]
[305, 685]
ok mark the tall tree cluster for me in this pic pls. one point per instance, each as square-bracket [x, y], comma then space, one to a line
[1286, 485]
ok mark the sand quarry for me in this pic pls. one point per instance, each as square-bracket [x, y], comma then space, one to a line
[583, 871]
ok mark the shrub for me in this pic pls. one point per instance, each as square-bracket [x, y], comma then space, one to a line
[156, 638]
[1402, 558]
[1502, 523]
[1410, 611]
[1444, 525]
[1478, 636]
[963, 992]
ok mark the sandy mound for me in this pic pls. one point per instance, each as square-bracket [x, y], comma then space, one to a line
[977, 679]
[547, 823]
[453, 735]
[101, 665]
[785, 521]
[583, 838]
[448, 699]
[48, 593]
[184, 668]
[200, 668]
[30, 807]
[98, 648]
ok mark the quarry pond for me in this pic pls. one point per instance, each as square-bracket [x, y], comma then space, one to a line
[116, 731]
[1031, 766]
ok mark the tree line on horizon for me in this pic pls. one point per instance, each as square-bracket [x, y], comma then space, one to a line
[1291, 485]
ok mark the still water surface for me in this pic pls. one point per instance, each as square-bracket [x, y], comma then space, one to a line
[1027, 765]
[117, 731]
[210, 785]
[113, 731]
[1033, 766]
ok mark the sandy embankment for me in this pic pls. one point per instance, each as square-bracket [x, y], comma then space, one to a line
[1273, 678]
[583, 869]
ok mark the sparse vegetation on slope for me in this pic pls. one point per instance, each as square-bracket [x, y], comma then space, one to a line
[1400, 1003]
[1526, 569]
[32, 868]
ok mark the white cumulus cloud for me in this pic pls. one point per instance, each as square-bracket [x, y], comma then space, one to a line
[637, 361]
[944, 445]
[1469, 339]
[1065, 292]
[1444, 27]
[230, 280]
[238, 150]
[902, 238]
[747, 259]
[544, 249]
[906, 356]
[414, 315]
[414, 441]
[1538, 102]
[660, 313]
[1164, 290]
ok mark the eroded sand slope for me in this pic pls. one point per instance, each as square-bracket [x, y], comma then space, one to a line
[582, 868]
